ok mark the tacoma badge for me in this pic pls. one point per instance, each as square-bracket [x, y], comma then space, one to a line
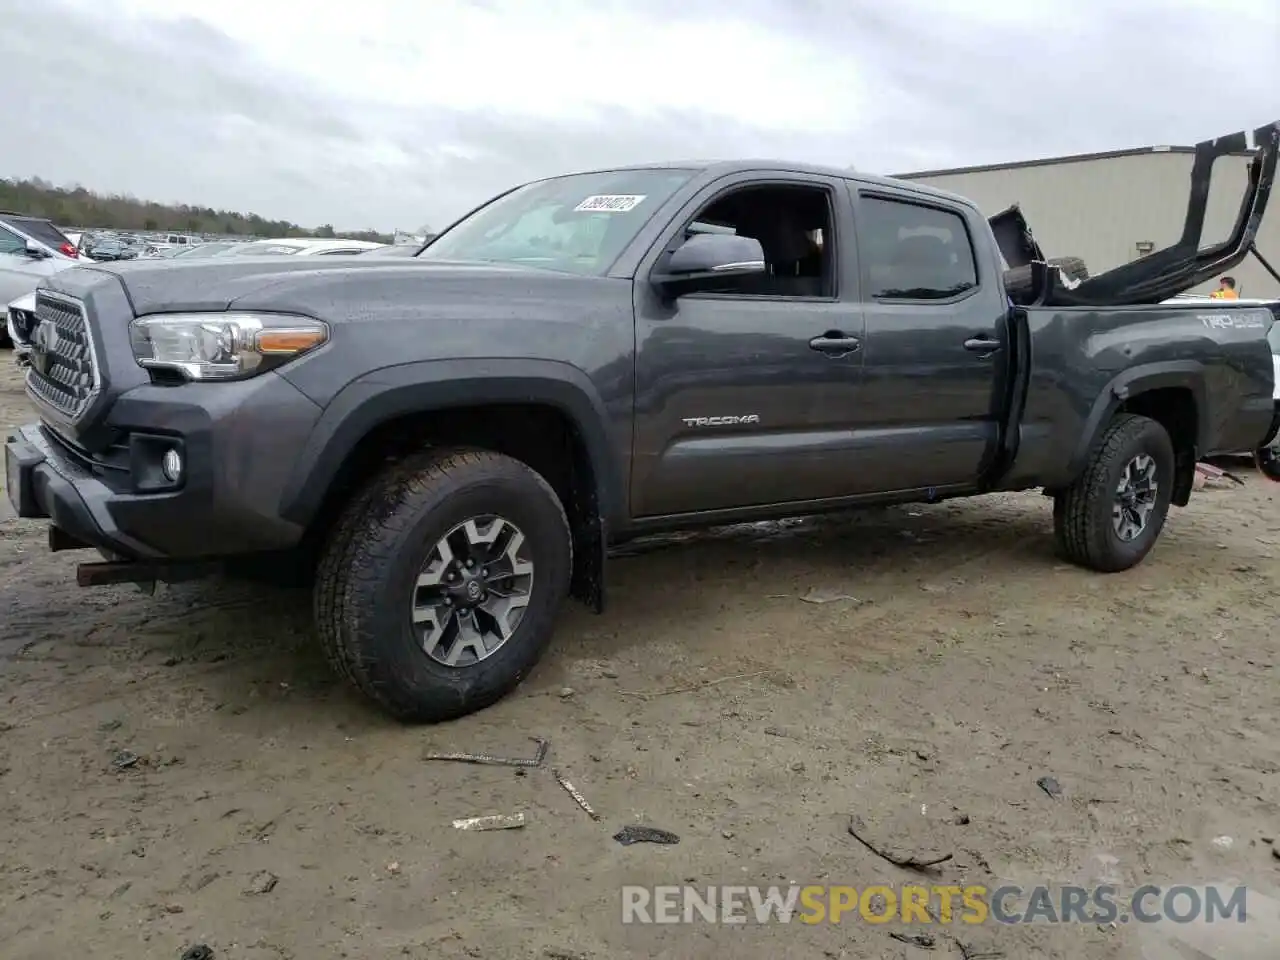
[721, 421]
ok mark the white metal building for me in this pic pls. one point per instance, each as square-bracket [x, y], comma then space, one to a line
[1110, 208]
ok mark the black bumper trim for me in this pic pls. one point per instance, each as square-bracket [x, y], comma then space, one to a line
[45, 484]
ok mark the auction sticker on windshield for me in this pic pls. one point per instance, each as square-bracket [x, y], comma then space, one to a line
[610, 203]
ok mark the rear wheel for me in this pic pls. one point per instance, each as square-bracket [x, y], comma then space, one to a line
[1111, 517]
[439, 588]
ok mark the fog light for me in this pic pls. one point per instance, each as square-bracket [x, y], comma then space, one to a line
[171, 465]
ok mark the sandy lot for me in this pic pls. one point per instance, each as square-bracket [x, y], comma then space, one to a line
[710, 701]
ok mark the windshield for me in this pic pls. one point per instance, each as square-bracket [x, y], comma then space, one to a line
[576, 224]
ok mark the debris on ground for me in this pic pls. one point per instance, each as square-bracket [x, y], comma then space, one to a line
[922, 940]
[817, 596]
[691, 687]
[1209, 475]
[858, 830]
[264, 881]
[972, 953]
[488, 759]
[199, 951]
[635, 834]
[1223, 843]
[498, 821]
[578, 798]
[1050, 786]
[124, 759]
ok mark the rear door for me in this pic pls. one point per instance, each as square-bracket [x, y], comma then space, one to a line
[935, 352]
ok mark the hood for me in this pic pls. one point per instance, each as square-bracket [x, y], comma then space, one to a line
[282, 283]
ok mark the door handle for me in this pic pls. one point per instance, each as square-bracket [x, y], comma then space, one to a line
[982, 345]
[835, 344]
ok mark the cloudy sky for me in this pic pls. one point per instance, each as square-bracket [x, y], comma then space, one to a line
[395, 113]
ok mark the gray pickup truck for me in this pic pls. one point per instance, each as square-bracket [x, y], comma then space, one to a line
[449, 443]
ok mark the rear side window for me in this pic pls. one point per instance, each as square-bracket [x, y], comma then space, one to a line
[42, 230]
[913, 251]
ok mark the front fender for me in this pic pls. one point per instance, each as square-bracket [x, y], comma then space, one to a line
[425, 386]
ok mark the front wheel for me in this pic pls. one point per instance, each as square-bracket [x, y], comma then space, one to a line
[439, 588]
[1110, 518]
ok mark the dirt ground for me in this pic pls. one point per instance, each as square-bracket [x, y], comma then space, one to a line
[711, 700]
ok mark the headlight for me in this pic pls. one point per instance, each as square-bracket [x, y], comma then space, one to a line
[222, 346]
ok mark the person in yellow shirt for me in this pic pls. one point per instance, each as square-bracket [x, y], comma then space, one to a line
[1226, 290]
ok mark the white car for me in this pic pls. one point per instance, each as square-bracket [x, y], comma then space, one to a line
[303, 247]
[20, 320]
[31, 249]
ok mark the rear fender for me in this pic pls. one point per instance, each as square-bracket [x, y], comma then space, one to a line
[1182, 374]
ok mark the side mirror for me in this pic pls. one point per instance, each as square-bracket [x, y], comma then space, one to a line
[36, 252]
[706, 259]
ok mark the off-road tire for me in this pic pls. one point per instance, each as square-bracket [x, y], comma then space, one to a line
[375, 552]
[1018, 282]
[1082, 520]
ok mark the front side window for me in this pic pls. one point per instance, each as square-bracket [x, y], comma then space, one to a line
[913, 251]
[792, 224]
[575, 224]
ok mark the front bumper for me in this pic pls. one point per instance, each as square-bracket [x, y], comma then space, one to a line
[238, 442]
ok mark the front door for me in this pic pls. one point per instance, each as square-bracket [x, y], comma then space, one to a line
[743, 396]
[935, 345]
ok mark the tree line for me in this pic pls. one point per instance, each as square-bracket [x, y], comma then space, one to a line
[77, 206]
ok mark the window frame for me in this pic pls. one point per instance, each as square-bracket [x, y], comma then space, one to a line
[864, 264]
[717, 191]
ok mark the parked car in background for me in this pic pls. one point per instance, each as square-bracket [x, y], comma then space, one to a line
[110, 250]
[20, 320]
[31, 250]
[304, 247]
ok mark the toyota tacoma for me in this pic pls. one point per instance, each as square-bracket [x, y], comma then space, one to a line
[448, 444]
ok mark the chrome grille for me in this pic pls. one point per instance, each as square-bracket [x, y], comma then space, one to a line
[63, 372]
